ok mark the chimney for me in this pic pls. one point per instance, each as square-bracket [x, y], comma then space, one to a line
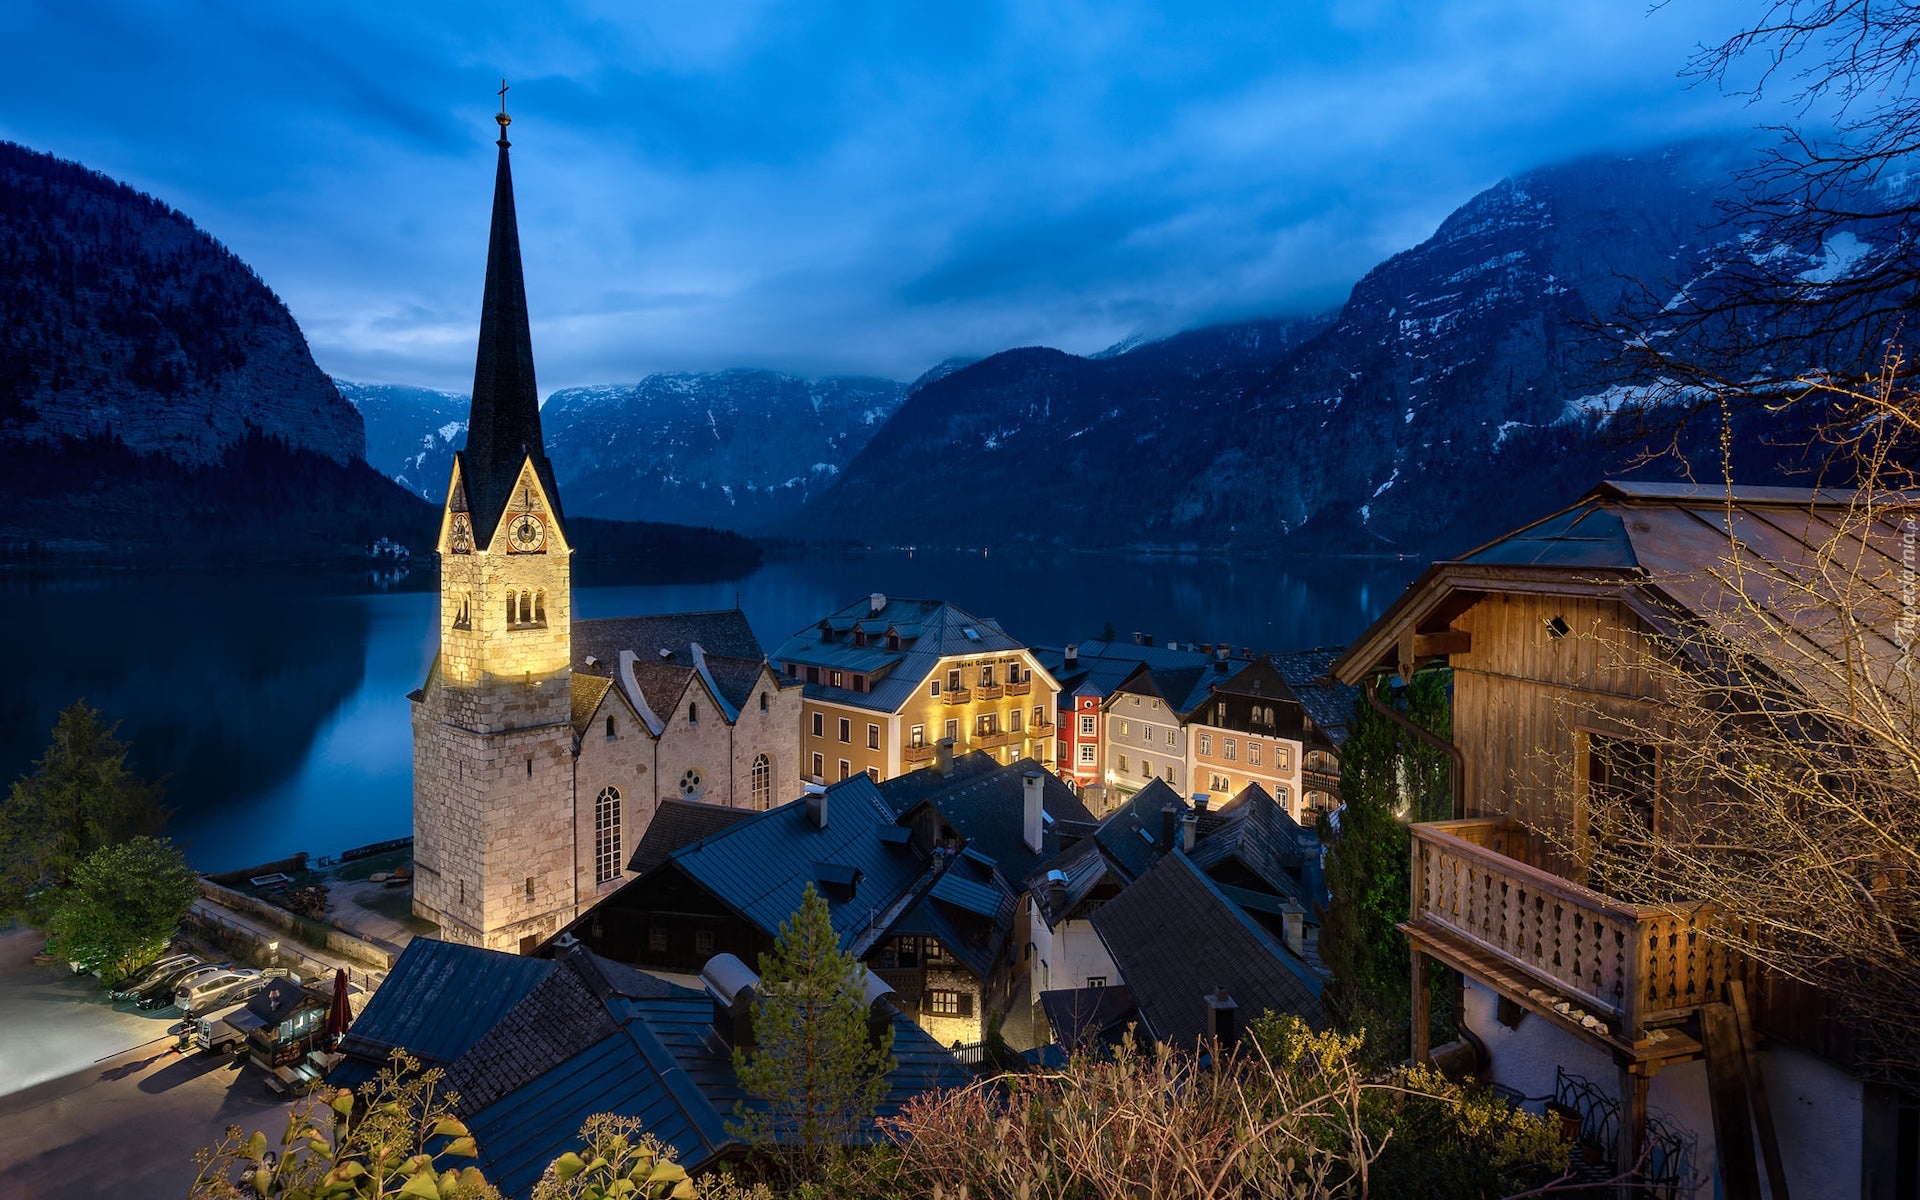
[817, 805]
[1070, 657]
[1057, 895]
[1146, 640]
[1201, 800]
[1139, 639]
[1030, 823]
[1223, 1019]
[877, 601]
[1169, 825]
[1189, 827]
[1293, 926]
[1206, 647]
[943, 757]
[1246, 652]
[730, 984]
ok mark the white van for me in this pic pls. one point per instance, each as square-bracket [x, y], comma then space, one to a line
[226, 1028]
[218, 989]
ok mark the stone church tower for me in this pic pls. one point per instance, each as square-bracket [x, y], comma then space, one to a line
[493, 739]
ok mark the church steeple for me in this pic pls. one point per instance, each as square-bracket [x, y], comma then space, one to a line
[503, 428]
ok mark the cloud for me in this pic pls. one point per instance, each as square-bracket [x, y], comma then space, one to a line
[844, 188]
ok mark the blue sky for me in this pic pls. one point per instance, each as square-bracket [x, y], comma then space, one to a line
[829, 188]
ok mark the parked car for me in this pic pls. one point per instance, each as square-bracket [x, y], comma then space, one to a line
[226, 1028]
[160, 994]
[195, 996]
[172, 964]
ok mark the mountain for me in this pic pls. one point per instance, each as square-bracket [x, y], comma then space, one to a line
[733, 449]
[412, 432]
[118, 317]
[736, 449]
[1458, 389]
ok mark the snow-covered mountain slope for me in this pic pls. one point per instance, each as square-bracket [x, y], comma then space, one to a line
[412, 432]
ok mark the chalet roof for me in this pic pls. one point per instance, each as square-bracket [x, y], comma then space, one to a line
[503, 425]
[1120, 831]
[1085, 864]
[436, 1002]
[678, 823]
[1176, 938]
[894, 675]
[1328, 702]
[1667, 551]
[1254, 831]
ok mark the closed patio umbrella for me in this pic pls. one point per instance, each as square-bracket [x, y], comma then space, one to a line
[340, 1013]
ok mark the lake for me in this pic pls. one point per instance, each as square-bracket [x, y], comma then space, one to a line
[277, 707]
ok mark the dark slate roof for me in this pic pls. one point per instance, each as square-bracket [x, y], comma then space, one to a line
[1327, 701]
[436, 1002]
[677, 823]
[280, 999]
[988, 809]
[761, 866]
[588, 692]
[1119, 832]
[1085, 864]
[732, 654]
[552, 1023]
[663, 1066]
[1176, 938]
[942, 630]
[1088, 1016]
[1257, 833]
[903, 792]
[503, 426]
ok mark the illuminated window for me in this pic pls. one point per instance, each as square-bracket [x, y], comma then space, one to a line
[1206, 743]
[463, 612]
[762, 781]
[1015, 721]
[942, 1002]
[1170, 778]
[1253, 754]
[986, 674]
[917, 736]
[953, 680]
[1229, 749]
[606, 835]
[1126, 729]
[1039, 716]
[837, 677]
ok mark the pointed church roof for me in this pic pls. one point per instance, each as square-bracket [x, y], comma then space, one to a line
[503, 428]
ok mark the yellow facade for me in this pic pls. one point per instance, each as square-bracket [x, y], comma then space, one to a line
[1223, 762]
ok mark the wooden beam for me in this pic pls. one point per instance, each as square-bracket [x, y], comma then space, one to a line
[1633, 1128]
[1757, 1088]
[1422, 1009]
[1439, 645]
[1727, 1090]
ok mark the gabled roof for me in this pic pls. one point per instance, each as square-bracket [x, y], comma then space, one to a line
[1120, 831]
[1254, 831]
[1085, 864]
[988, 809]
[1176, 938]
[903, 792]
[280, 999]
[588, 692]
[678, 823]
[1667, 552]
[760, 867]
[1327, 701]
[436, 1002]
[1084, 1017]
[894, 675]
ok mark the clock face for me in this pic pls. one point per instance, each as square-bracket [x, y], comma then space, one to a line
[460, 534]
[527, 533]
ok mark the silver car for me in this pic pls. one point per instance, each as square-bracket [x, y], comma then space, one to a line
[217, 990]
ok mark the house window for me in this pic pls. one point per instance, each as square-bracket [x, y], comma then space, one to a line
[873, 773]
[917, 736]
[846, 769]
[1087, 753]
[986, 674]
[1170, 778]
[859, 637]
[606, 835]
[1220, 713]
[1170, 737]
[1039, 716]
[1123, 762]
[819, 725]
[762, 781]
[1014, 721]
[986, 724]
[933, 689]
[1088, 727]
[819, 767]
[893, 641]
[846, 730]
[953, 680]
[657, 941]
[1282, 757]
[951, 729]
[1126, 729]
[703, 942]
[943, 1002]
[793, 670]
[1620, 775]
[838, 679]
[1206, 743]
[1219, 783]
[1146, 769]
[1229, 749]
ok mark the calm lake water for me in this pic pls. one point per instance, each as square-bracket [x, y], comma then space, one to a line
[278, 711]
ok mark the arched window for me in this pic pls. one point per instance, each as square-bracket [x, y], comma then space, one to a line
[513, 609]
[609, 726]
[763, 702]
[606, 835]
[762, 778]
[526, 607]
[693, 713]
[540, 607]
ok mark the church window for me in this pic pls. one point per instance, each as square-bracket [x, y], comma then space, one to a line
[763, 702]
[762, 778]
[692, 784]
[463, 612]
[610, 727]
[540, 607]
[606, 835]
[529, 768]
[693, 713]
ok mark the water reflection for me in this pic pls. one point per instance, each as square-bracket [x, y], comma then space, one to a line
[280, 712]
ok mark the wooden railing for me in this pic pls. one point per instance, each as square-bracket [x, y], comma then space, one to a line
[918, 754]
[958, 695]
[989, 691]
[1626, 964]
[1019, 689]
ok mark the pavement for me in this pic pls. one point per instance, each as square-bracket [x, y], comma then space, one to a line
[93, 1100]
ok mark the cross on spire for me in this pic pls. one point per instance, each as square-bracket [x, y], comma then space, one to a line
[502, 117]
[502, 93]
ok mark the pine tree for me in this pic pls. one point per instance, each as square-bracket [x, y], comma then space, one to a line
[816, 1072]
[80, 797]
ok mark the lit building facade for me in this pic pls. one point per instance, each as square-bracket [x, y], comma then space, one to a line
[1249, 730]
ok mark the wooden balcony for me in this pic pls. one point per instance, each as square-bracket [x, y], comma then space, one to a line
[1020, 689]
[997, 739]
[1617, 974]
[989, 691]
[915, 755]
[958, 695]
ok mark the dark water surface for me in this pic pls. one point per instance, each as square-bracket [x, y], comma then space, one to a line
[278, 709]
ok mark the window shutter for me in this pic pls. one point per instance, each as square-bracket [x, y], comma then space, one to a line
[966, 1004]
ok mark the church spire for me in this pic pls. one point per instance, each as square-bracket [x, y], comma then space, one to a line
[503, 428]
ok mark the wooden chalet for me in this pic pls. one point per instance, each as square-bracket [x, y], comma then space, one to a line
[1543, 631]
